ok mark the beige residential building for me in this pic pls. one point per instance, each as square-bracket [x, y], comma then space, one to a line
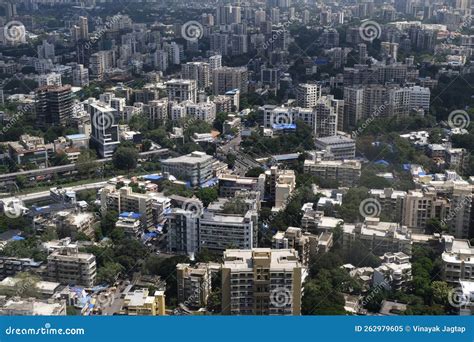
[420, 207]
[262, 281]
[458, 260]
[391, 202]
[125, 200]
[281, 184]
[306, 244]
[346, 172]
[31, 307]
[378, 237]
[195, 283]
[69, 266]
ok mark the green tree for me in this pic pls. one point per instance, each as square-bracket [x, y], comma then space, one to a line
[125, 158]
[207, 195]
[254, 172]
[86, 162]
[109, 273]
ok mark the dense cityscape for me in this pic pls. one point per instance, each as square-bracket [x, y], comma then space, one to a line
[236, 157]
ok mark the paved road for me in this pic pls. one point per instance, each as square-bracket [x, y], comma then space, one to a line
[45, 194]
[66, 168]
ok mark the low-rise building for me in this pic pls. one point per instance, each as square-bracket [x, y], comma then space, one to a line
[346, 172]
[140, 303]
[379, 237]
[69, 266]
[10, 266]
[230, 184]
[338, 146]
[195, 168]
[395, 272]
[458, 260]
[31, 307]
[306, 244]
[130, 223]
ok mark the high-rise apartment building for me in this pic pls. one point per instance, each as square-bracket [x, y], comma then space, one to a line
[198, 71]
[53, 105]
[227, 78]
[262, 281]
[181, 90]
[307, 95]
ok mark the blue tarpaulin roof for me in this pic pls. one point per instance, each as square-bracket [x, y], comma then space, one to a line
[209, 183]
[126, 214]
[152, 177]
[18, 238]
[284, 126]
